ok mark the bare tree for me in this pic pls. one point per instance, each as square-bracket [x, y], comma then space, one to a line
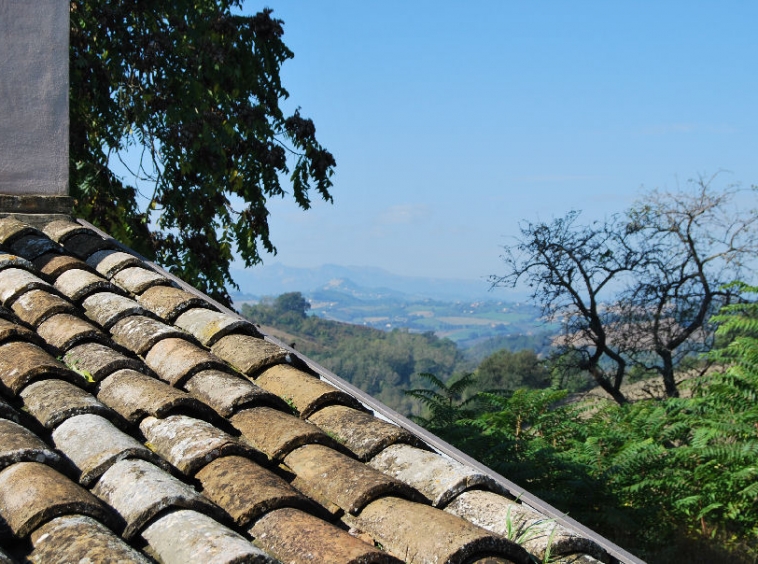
[696, 242]
[638, 289]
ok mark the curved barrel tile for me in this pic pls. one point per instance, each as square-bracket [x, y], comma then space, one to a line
[440, 479]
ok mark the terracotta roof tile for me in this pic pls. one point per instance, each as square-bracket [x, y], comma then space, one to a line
[307, 393]
[135, 396]
[76, 284]
[36, 306]
[497, 513]
[227, 393]
[174, 360]
[361, 432]
[94, 444]
[22, 362]
[14, 261]
[188, 536]
[33, 246]
[276, 433]
[208, 326]
[52, 265]
[248, 354]
[246, 490]
[136, 279]
[423, 534]
[64, 331]
[84, 243]
[164, 392]
[110, 261]
[32, 493]
[107, 308]
[18, 444]
[440, 479]
[99, 361]
[77, 538]
[168, 303]
[342, 480]
[139, 333]
[53, 401]
[189, 443]
[12, 229]
[298, 537]
[60, 230]
[139, 491]
[10, 331]
[16, 281]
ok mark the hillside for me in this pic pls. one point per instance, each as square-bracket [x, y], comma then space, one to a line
[382, 363]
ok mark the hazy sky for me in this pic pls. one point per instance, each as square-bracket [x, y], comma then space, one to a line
[453, 121]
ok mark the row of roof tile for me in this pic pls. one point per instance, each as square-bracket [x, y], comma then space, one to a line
[138, 422]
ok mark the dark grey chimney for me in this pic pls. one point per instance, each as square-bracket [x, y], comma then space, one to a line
[34, 39]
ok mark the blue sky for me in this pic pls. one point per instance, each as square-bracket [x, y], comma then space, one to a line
[453, 121]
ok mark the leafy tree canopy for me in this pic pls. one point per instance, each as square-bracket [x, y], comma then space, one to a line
[194, 90]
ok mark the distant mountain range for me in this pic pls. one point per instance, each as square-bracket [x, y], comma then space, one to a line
[361, 282]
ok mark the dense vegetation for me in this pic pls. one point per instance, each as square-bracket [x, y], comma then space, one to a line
[672, 479]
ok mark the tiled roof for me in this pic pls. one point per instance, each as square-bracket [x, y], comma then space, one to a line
[140, 422]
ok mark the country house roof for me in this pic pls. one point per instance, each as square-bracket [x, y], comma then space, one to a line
[140, 421]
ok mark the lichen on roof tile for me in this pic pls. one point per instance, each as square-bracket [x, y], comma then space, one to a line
[107, 308]
[10, 331]
[246, 490]
[188, 536]
[306, 392]
[64, 331]
[168, 303]
[276, 433]
[15, 281]
[134, 395]
[361, 432]
[426, 535]
[22, 362]
[18, 444]
[136, 279]
[439, 478]
[53, 401]
[12, 229]
[94, 444]
[227, 393]
[189, 443]
[209, 326]
[32, 494]
[248, 354]
[14, 261]
[78, 538]
[99, 361]
[511, 518]
[35, 306]
[77, 284]
[344, 481]
[300, 538]
[62, 229]
[139, 491]
[110, 261]
[174, 360]
[139, 334]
